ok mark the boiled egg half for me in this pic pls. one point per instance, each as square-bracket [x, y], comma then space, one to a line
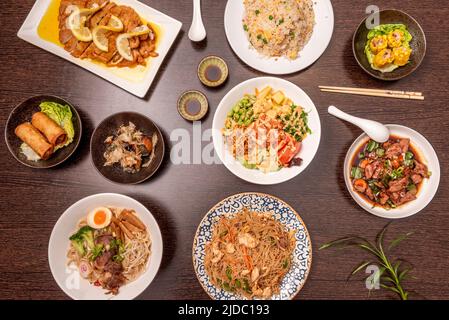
[99, 218]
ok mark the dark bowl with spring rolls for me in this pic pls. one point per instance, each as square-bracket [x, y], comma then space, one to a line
[46, 139]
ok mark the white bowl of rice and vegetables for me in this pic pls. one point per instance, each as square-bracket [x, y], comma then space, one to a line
[266, 130]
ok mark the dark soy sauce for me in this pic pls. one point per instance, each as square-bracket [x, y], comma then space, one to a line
[212, 73]
[193, 106]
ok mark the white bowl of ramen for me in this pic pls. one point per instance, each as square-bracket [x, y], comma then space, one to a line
[68, 277]
[423, 152]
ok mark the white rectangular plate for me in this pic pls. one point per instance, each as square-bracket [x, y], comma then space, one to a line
[123, 77]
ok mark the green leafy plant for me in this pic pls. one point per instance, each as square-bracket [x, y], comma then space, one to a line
[391, 273]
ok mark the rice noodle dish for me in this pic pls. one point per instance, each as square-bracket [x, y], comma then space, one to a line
[249, 254]
[111, 248]
[279, 28]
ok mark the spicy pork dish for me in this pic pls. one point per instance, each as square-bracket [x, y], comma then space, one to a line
[388, 174]
[265, 130]
[279, 28]
[111, 248]
[105, 32]
[249, 254]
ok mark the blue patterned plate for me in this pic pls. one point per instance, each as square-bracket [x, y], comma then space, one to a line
[258, 202]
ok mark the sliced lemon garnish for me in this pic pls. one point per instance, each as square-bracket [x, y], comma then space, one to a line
[99, 33]
[77, 20]
[123, 47]
[82, 34]
[122, 41]
[115, 24]
[100, 39]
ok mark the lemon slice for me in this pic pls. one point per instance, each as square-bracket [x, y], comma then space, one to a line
[139, 31]
[82, 34]
[100, 39]
[122, 41]
[99, 33]
[123, 47]
[115, 24]
[76, 22]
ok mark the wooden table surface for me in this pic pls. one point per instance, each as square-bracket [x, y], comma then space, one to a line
[31, 201]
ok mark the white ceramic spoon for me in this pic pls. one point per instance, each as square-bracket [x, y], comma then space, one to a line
[375, 130]
[197, 32]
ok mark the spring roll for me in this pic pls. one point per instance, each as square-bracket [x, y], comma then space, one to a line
[50, 129]
[32, 137]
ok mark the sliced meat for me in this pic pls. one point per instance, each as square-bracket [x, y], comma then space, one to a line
[369, 193]
[65, 35]
[113, 267]
[383, 198]
[369, 170]
[101, 261]
[393, 151]
[394, 196]
[404, 143]
[416, 178]
[409, 196]
[378, 169]
[421, 169]
[398, 185]
[104, 239]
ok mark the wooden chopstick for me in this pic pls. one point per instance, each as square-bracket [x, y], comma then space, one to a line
[375, 93]
[410, 93]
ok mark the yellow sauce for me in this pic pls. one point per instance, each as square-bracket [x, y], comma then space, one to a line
[48, 30]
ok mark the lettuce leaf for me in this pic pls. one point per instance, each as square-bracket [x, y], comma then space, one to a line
[62, 115]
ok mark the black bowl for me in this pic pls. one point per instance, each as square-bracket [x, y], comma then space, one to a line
[109, 127]
[22, 113]
[418, 45]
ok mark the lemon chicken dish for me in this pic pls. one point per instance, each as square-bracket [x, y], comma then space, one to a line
[105, 32]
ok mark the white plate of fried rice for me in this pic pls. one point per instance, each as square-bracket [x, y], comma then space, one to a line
[279, 36]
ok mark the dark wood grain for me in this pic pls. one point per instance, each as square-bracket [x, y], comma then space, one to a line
[179, 195]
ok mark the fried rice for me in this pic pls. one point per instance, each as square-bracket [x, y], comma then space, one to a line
[279, 28]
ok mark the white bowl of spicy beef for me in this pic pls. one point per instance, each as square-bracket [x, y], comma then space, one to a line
[405, 169]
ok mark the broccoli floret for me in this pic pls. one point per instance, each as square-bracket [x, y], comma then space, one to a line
[97, 251]
[79, 246]
[84, 234]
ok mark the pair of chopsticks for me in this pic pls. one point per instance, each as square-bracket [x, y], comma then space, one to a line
[375, 92]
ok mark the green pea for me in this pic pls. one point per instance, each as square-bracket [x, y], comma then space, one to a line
[236, 108]
[235, 117]
[247, 122]
[230, 114]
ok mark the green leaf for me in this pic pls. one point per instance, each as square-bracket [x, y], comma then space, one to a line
[358, 268]
[403, 274]
[394, 289]
[380, 237]
[370, 249]
[388, 279]
[339, 242]
[398, 240]
[396, 267]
